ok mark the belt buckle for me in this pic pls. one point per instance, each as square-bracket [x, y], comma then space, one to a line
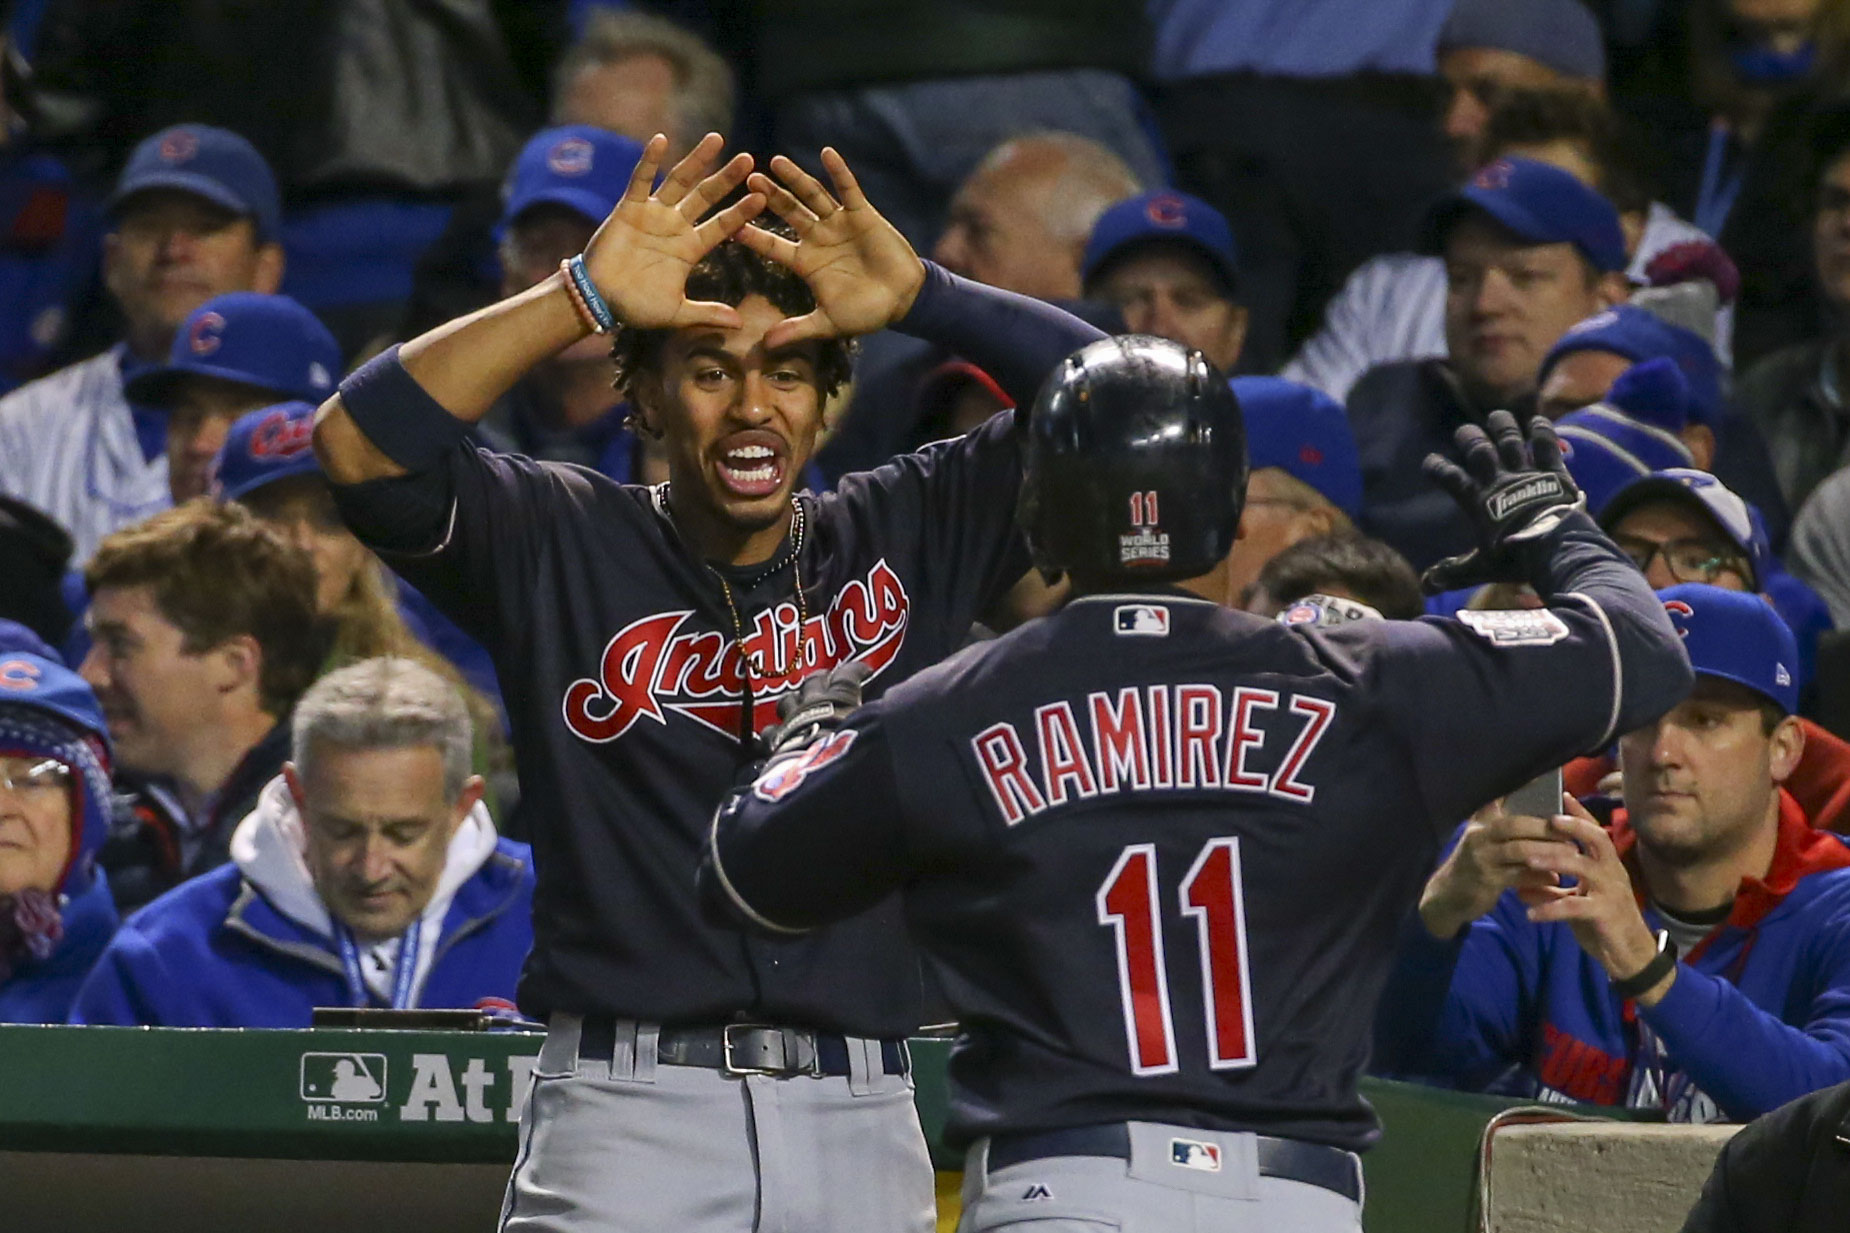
[731, 1067]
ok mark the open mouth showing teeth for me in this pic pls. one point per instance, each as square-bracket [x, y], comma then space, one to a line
[751, 470]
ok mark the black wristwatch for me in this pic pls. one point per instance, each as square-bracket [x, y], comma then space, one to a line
[1652, 972]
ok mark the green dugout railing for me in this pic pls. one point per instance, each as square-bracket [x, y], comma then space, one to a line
[454, 1097]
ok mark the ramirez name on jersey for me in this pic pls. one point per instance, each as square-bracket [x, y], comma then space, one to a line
[1154, 739]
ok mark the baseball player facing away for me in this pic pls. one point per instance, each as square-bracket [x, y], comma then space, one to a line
[694, 1078]
[1158, 851]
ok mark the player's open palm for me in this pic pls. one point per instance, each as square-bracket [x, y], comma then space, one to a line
[863, 273]
[641, 255]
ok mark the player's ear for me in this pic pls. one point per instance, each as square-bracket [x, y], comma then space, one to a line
[645, 397]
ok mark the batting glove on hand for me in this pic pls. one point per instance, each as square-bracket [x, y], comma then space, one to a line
[1514, 491]
[818, 704]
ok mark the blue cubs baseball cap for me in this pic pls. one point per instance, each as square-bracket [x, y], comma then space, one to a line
[1163, 214]
[1738, 521]
[1639, 335]
[582, 168]
[1736, 636]
[214, 163]
[1632, 433]
[1541, 204]
[268, 341]
[263, 446]
[1303, 432]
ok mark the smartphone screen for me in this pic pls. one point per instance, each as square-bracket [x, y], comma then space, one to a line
[1539, 798]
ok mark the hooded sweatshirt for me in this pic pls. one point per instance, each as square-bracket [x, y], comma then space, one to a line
[251, 944]
[1759, 1013]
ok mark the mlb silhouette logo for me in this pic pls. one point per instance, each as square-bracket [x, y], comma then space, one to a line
[347, 1078]
[1141, 620]
[1193, 1154]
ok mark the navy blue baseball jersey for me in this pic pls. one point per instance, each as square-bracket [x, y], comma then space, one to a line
[1159, 851]
[627, 699]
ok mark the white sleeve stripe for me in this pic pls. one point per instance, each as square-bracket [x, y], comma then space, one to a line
[732, 892]
[1618, 666]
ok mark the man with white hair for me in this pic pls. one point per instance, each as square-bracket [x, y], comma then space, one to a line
[369, 875]
[1021, 220]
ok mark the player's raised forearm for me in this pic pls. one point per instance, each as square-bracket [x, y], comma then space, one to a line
[1015, 339]
[1577, 559]
[469, 363]
[463, 366]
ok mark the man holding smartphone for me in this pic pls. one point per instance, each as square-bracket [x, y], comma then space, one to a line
[1694, 959]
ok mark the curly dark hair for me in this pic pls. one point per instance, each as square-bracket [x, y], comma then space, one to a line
[728, 274]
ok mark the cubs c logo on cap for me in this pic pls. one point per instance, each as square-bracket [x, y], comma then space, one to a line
[178, 147]
[1680, 612]
[206, 334]
[571, 157]
[1166, 210]
[1495, 176]
[278, 436]
[19, 674]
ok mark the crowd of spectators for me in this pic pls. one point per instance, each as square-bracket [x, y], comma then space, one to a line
[245, 770]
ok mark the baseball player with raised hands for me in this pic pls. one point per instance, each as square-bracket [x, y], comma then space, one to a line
[1158, 851]
[693, 1078]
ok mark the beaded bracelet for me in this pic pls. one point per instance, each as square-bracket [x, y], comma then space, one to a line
[585, 296]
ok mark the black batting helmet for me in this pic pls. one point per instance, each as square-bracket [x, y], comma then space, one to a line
[1134, 464]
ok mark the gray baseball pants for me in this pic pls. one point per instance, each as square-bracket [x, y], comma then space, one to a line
[1149, 1193]
[627, 1145]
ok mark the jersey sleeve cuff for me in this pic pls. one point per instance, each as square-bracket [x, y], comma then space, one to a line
[395, 413]
[730, 891]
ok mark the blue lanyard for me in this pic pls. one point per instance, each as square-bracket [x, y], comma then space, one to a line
[404, 973]
[1715, 198]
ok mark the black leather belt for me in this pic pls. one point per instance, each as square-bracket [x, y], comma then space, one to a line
[743, 1049]
[1292, 1160]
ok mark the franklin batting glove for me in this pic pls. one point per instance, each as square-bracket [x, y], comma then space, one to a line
[1513, 491]
[820, 703]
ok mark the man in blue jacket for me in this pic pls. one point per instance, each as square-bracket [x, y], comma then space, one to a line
[1694, 959]
[55, 911]
[368, 875]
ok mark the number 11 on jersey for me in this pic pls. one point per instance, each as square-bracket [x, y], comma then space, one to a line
[1210, 893]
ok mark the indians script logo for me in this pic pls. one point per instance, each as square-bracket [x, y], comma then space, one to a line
[651, 668]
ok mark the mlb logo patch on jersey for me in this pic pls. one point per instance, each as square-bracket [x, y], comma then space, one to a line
[1140, 620]
[1516, 626]
[1194, 1154]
